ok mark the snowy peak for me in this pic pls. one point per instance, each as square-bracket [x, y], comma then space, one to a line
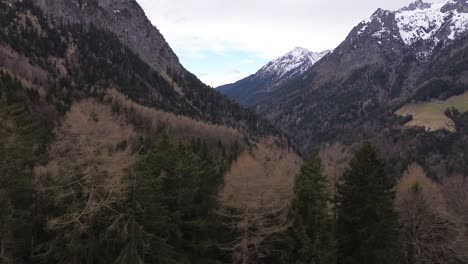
[294, 62]
[432, 22]
[379, 26]
[420, 25]
[259, 86]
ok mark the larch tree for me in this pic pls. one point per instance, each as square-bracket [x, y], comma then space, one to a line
[254, 201]
[430, 234]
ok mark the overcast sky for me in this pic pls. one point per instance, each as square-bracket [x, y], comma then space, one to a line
[223, 41]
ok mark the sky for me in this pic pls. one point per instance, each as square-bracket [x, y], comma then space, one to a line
[224, 41]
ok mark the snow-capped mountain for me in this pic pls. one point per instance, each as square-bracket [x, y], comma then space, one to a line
[294, 62]
[433, 22]
[250, 90]
[383, 39]
[421, 26]
[416, 53]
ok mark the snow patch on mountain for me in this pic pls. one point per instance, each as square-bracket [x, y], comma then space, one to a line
[420, 25]
[380, 18]
[459, 24]
[426, 20]
[295, 62]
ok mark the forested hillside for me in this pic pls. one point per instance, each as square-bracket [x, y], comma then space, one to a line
[399, 82]
[104, 159]
[85, 56]
[108, 156]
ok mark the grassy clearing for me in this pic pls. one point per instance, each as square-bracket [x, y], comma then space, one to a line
[431, 114]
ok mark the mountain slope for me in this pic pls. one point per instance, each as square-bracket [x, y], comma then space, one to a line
[372, 70]
[124, 18]
[99, 149]
[351, 94]
[251, 90]
[164, 84]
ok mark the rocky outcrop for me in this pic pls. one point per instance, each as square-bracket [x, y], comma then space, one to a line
[127, 20]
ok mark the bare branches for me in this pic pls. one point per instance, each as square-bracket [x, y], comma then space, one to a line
[431, 234]
[90, 158]
[455, 190]
[255, 199]
[179, 127]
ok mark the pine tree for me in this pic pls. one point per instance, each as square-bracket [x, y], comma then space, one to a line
[310, 238]
[17, 159]
[367, 223]
[152, 223]
[173, 206]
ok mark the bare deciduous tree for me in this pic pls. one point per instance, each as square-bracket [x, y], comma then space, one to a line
[255, 198]
[334, 160]
[430, 234]
[179, 127]
[455, 190]
[89, 160]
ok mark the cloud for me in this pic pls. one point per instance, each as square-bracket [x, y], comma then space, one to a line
[234, 71]
[248, 61]
[263, 29]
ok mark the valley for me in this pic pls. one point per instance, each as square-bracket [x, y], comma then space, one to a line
[111, 151]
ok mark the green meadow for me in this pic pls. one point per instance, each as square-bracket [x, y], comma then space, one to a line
[431, 114]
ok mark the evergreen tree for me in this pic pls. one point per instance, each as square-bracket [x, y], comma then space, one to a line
[17, 160]
[151, 217]
[367, 223]
[310, 238]
[173, 218]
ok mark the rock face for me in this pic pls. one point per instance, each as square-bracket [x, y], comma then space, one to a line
[167, 86]
[421, 26]
[253, 89]
[127, 20]
[388, 59]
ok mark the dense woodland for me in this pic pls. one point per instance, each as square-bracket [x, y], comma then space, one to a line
[92, 171]
[128, 199]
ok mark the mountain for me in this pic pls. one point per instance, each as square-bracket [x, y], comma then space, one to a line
[104, 136]
[254, 88]
[111, 152]
[125, 22]
[393, 58]
[421, 26]
[124, 18]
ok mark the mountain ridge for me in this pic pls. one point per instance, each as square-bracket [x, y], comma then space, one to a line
[351, 94]
[124, 18]
[252, 89]
[420, 29]
[421, 26]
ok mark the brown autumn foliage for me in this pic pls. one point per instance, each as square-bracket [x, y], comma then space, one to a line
[20, 66]
[430, 192]
[430, 234]
[183, 128]
[89, 159]
[455, 190]
[334, 159]
[258, 187]
[255, 197]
